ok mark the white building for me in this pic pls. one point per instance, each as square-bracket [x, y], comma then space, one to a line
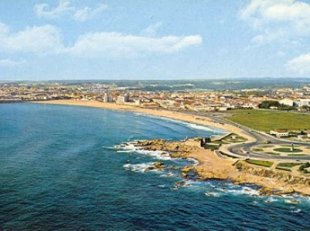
[280, 133]
[107, 98]
[123, 98]
[287, 102]
[303, 102]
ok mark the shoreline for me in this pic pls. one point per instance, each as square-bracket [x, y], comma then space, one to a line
[211, 166]
[165, 114]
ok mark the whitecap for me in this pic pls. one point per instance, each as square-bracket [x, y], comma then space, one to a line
[212, 194]
[296, 211]
[271, 200]
[255, 202]
[168, 174]
[161, 186]
[139, 114]
[155, 154]
[198, 127]
[244, 190]
[124, 151]
[143, 167]
[292, 201]
[131, 147]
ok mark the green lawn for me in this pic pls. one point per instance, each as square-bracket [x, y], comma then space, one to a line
[270, 120]
[263, 163]
[288, 165]
[284, 169]
[273, 153]
[287, 150]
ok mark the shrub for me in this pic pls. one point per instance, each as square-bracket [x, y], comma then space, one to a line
[269, 103]
[303, 167]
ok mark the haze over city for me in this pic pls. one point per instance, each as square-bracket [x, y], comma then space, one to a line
[70, 39]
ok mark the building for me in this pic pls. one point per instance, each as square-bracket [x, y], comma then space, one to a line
[123, 98]
[107, 98]
[287, 102]
[303, 102]
[280, 133]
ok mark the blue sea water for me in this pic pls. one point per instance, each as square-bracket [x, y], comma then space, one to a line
[60, 170]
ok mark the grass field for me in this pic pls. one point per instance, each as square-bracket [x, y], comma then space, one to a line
[284, 169]
[264, 120]
[288, 165]
[273, 153]
[263, 163]
[287, 150]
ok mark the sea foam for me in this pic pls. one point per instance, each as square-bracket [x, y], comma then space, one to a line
[187, 124]
[131, 147]
[143, 167]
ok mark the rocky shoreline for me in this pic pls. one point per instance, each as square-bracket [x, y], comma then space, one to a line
[211, 166]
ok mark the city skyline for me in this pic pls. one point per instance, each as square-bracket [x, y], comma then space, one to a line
[67, 39]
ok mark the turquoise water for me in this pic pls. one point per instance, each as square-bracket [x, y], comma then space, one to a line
[60, 170]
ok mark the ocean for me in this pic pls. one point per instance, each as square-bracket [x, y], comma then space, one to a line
[62, 168]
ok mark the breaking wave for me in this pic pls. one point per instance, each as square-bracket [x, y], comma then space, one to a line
[143, 167]
[130, 147]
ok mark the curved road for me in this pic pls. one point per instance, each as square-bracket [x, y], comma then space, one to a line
[244, 149]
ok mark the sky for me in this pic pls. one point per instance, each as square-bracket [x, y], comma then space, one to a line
[162, 39]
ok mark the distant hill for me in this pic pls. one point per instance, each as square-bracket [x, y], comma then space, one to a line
[210, 84]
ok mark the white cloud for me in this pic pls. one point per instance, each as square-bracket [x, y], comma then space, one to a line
[65, 7]
[300, 64]
[37, 39]
[269, 36]
[11, 63]
[152, 29]
[3, 29]
[48, 40]
[45, 11]
[277, 19]
[87, 13]
[112, 44]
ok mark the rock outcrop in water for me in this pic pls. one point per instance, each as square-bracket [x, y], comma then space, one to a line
[212, 166]
[158, 165]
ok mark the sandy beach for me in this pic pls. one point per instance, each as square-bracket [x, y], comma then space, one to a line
[200, 120]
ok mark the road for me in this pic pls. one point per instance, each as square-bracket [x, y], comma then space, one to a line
[243, 150]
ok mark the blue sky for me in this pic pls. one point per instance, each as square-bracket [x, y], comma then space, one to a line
[137, 39]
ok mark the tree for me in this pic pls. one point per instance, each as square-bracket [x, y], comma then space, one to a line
[269, 103]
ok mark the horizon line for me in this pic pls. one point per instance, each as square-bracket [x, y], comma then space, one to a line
[140, 79]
